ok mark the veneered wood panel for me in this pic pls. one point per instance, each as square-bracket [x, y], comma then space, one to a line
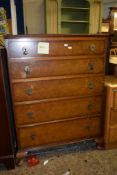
[56, 110]
[41, 68]
[52, 88]
[56, 133]
[57, 48]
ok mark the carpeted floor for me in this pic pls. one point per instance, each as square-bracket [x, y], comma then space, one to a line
[93, 162]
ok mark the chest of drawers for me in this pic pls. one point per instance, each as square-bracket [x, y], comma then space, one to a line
[110, 135]
[57, 84]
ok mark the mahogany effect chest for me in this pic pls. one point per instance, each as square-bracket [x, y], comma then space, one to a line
[57, 84]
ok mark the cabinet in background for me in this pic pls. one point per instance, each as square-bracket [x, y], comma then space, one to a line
[73, 17]
[110, 132]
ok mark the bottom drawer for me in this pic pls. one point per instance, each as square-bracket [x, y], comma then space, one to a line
[59, 132]
[113, 134]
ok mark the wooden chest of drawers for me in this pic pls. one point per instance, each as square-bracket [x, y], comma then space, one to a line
[57, 84]
[110, 135]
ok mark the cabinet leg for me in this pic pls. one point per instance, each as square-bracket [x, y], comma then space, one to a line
[8, 163]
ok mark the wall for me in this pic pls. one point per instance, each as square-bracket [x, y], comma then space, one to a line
[34, 16]
[106, 5]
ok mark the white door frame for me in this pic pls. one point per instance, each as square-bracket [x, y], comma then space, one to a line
[13, 17]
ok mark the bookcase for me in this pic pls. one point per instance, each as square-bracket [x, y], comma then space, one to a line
[73, 17]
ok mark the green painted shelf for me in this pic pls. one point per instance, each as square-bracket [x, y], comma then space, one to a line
[74, 16]
[74, 21]
[75, 8]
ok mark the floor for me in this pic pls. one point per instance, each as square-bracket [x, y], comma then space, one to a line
[92, 162]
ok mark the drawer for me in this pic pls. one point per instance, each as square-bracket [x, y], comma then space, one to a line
[113, 119]
[57, 110]
[59, 132]
[63, 47]
[57, 87]
[113, 134]
[41, 68]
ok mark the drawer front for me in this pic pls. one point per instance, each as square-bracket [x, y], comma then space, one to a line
[113, 134]
[57, 110]
[56, 133]
[53, 88]
[113, 120]
[41, 68]
[56, 48]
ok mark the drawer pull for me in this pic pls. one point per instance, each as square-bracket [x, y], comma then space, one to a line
[92, 47]
[29, 91]
[90, 107]
[91, 85]
[33, 136]
[25, 51]
[30, 115]
[90, 66]
[27, 69]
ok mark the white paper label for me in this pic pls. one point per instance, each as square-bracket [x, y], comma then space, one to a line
[43, 48]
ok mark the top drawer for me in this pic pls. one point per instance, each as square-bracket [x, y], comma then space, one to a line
[55, 48]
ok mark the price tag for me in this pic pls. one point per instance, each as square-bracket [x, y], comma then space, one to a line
[43, 48]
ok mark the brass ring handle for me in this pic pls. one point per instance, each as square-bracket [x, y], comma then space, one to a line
[27, 69]
[25, 51]
[92, 47]
[91, 85]
[30, 115]
[29, 91]
[33, 136]
[90, 66]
